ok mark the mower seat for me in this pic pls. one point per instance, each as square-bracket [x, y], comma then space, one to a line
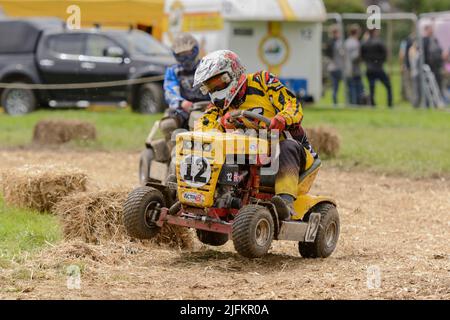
[307, 178]
[316, 165]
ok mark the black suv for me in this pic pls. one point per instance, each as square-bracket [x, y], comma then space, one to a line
[43, 51]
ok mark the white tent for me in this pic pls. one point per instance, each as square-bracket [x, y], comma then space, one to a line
[282, 36]
[286, 10]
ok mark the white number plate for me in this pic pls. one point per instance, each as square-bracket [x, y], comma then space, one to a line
[195, 171]
[313, 227]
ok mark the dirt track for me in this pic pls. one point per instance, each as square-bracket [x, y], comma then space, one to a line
[398, 225]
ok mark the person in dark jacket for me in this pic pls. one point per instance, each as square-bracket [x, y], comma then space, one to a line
[374, 54]
[335, 52]
[352, 68]
[433, 54]
[406, 69]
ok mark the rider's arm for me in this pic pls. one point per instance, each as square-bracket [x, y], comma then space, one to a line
[172, 89]
[210, 120]
[282, 99]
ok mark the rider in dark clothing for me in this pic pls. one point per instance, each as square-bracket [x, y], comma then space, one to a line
[374, 54]
[178, 83]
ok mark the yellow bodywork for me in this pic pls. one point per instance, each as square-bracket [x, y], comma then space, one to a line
[218, 146]
[222, 144]
[305, 202]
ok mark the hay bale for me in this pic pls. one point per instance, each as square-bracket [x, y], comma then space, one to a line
[69, 253]
[97, 216]
[61, 131]
[175, 236]
[41, 187]
[92, 216]
[325, 141]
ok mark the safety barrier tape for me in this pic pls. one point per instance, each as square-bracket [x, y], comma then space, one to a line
[86, 85]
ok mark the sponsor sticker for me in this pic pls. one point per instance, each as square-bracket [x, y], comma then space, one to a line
[193, 197]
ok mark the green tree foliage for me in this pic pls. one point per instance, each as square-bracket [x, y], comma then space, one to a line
[416, 6]
[421, 6]
[344, 6]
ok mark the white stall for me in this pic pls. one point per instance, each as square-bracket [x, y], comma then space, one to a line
[282, 36]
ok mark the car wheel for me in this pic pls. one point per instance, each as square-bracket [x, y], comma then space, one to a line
[18, 102]
[150, 99]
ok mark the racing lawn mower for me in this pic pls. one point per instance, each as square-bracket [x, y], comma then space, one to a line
[225, 200]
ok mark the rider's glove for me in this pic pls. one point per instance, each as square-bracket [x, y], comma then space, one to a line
[225, 121]
[186, 106]
[277, 123]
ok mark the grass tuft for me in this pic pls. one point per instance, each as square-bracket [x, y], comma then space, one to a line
[24, 231]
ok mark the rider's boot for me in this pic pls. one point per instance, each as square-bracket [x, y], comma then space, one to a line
[285, 206]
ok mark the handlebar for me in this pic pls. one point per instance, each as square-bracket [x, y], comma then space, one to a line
[249, 115]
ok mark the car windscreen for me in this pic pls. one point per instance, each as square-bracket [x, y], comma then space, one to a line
[141, 43]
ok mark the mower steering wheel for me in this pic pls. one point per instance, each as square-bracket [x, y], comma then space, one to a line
[250, 116]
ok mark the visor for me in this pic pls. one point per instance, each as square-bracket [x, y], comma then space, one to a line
[186, 56]
[216, 83]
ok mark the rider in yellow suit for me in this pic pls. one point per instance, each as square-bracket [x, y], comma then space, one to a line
[222, 76]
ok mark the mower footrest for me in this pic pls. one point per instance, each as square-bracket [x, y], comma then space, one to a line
[293, 231]
[300, 231]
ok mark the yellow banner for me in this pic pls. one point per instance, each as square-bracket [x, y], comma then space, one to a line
[202, 22]
[192, 22]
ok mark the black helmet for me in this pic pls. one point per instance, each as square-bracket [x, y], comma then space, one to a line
[186, 49]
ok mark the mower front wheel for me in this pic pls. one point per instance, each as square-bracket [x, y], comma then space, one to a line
[253, 231]
[141, 211]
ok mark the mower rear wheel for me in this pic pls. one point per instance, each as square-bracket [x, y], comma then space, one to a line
[212, 238]
[327, 236]
[253, 231]
[140, 212]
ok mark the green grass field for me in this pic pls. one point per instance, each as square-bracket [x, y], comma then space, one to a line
[24, 231]
[117, 129]
[403, 140]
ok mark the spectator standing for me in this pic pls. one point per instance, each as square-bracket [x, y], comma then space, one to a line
[433, 54]
[335, 52]
[414, 64]
[352, 65]
[446, 80]
[407, 85]
[374, 54]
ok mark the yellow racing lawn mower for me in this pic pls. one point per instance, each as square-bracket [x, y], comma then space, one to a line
[225, 183]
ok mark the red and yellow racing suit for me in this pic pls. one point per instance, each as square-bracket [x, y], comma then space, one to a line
[266, 95]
